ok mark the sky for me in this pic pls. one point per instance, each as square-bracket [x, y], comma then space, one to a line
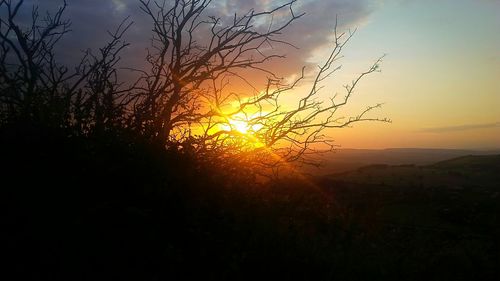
[440, 78]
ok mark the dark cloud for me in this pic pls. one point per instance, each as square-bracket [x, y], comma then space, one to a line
[90, 22]
[461, 128]
[92, 18]
[314, 30]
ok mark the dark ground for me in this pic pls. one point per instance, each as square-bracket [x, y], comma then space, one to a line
[114, 208]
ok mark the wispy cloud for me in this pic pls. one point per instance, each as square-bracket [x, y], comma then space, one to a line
[458, 128]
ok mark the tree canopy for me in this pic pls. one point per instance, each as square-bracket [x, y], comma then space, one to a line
[181, 98]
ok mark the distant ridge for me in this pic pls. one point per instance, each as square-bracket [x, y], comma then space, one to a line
[477, 162]
[470, 171]
[348, 159]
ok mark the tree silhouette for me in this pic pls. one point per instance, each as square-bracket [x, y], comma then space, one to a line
[195, 55]
[35, 87]
[181, 100]
[186, 66]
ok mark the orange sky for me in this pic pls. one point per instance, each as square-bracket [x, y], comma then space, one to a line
[440, 80]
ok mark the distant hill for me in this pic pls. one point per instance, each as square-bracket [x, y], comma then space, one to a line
[343, 160]
[456, 173]
[471, 162]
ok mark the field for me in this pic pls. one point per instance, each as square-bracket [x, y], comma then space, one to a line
[440, 218]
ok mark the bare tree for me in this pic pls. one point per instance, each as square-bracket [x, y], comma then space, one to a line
[183, 64]
[183, 98]
[277, 135]
[28, 66]
[34, 86]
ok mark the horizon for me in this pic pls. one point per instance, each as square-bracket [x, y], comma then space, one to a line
[493, 149]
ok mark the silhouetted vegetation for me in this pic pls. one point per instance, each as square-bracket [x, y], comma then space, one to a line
[95, 187]
[115, 207]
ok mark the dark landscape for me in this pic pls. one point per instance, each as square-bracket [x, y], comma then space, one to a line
[348, 159]
[206, 150]
[87, 210]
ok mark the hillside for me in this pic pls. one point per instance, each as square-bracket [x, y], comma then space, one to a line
[112, 208]
[457, 173]
[343, 160]
[442, 216]
[485, 163]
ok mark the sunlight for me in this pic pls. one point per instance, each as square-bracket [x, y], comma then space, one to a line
[246, 128]
[239, 125]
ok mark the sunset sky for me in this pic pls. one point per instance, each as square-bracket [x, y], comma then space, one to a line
[440, 80]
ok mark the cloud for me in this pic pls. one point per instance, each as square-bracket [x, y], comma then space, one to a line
[461, 128]
[314, 31]
[91, 19]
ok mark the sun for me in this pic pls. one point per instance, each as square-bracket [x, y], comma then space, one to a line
[245, 127]
[239, 125]
[243, 123]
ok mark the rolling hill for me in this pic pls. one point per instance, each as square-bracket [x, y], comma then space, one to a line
[343, 160]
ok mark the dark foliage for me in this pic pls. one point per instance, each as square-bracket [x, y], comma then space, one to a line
[113, 207]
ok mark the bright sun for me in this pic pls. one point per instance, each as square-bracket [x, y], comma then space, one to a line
[243, 124]
[239, 125]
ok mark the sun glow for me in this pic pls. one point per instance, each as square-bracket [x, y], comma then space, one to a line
[242, 123]
[239, 125]
[243, 128]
